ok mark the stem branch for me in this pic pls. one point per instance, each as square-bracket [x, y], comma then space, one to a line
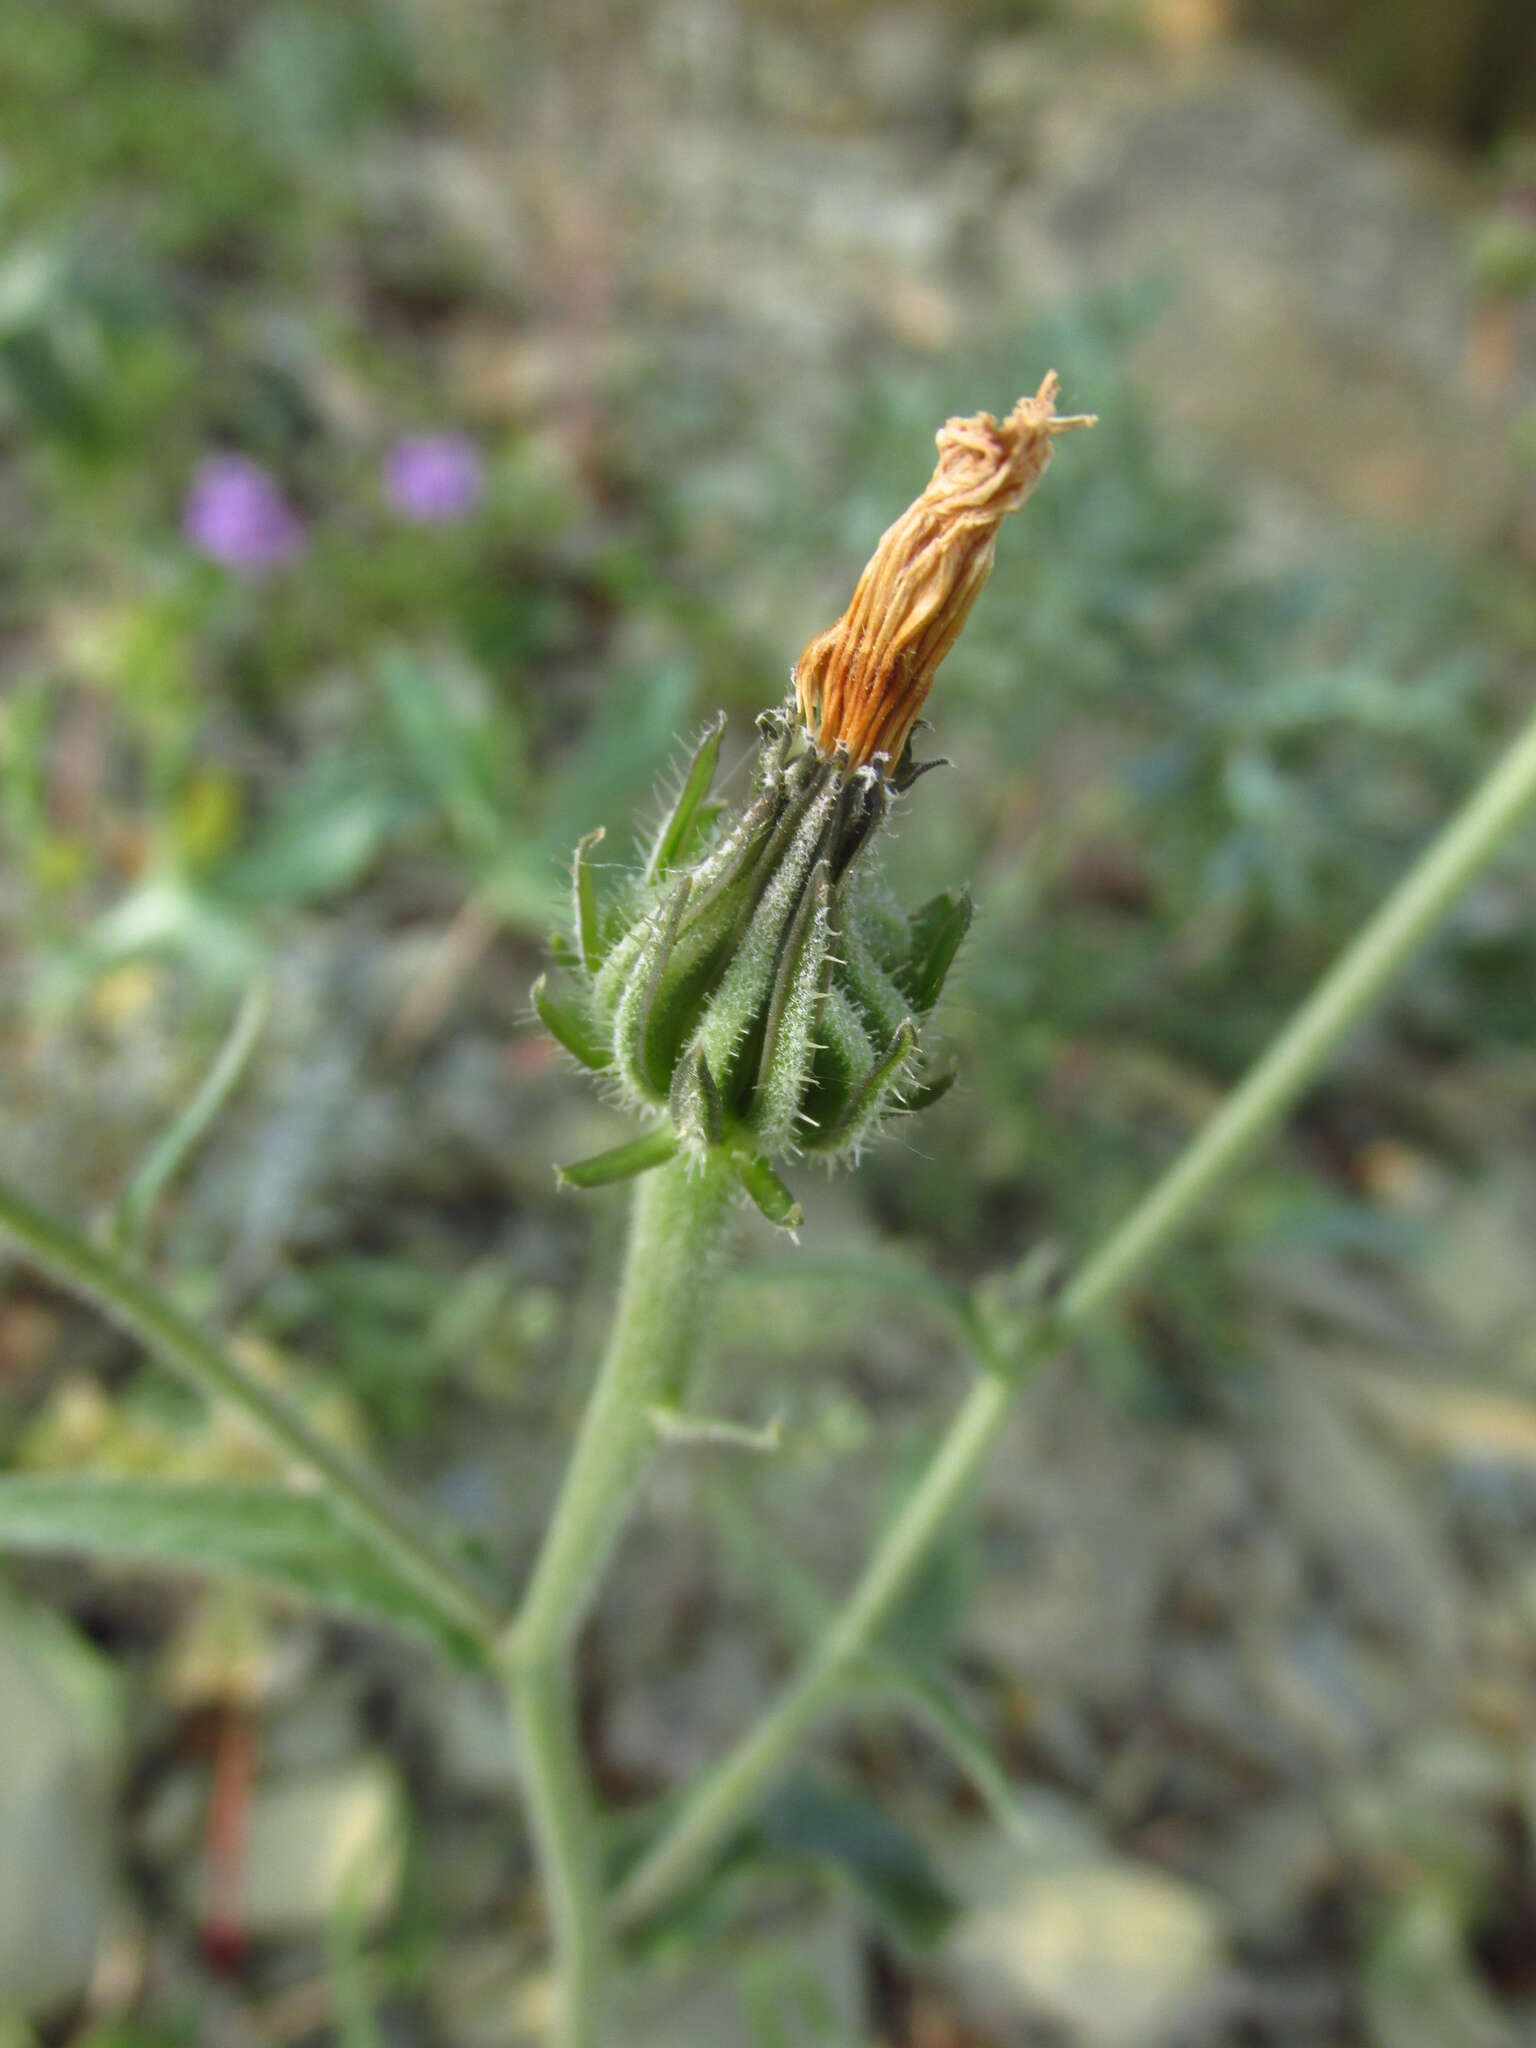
[1250, 1113]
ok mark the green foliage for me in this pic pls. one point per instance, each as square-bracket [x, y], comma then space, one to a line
[849, 1833]
[826, 1827]
[290, 1542]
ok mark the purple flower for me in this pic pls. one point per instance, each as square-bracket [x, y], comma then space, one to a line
[434, 479]
[235, 513]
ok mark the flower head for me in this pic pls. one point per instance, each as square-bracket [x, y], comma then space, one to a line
[235, 514]
[751, 990]
[861, 684]
[434, 479]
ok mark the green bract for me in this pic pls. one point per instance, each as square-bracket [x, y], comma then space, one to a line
[754, 988]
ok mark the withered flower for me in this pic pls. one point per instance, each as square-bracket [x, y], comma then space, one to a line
[751, 990]
[861, 684]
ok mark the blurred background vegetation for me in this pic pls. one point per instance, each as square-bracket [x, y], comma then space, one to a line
[413, 419]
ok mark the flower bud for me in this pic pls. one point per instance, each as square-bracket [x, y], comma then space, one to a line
[753, 987]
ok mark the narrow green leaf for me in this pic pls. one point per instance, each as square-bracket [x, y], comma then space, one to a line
[937, 931]
[323, 836]
[568, 1027]
[584, 889]
[676, 834]
[770, 1193]
[166, 1158]
[370, 1501]
[293, 1543]
[450, 745]
[622, 1163]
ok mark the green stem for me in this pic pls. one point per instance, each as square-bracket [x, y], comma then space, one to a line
[565, 1840]
[1247, 1117]
[677, 1229]
[370, 1502]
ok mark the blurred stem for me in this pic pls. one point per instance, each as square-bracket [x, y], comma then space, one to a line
[369, 1501]
[565, 1839]
[1248, 1116]
[677, 1229]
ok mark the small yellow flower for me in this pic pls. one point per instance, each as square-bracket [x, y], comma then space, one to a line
[862, 683]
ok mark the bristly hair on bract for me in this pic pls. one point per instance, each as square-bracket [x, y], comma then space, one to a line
[753, 988]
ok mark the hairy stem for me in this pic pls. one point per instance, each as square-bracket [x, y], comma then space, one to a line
[369, 1501]
[1250, 1113]
[677, 1228]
